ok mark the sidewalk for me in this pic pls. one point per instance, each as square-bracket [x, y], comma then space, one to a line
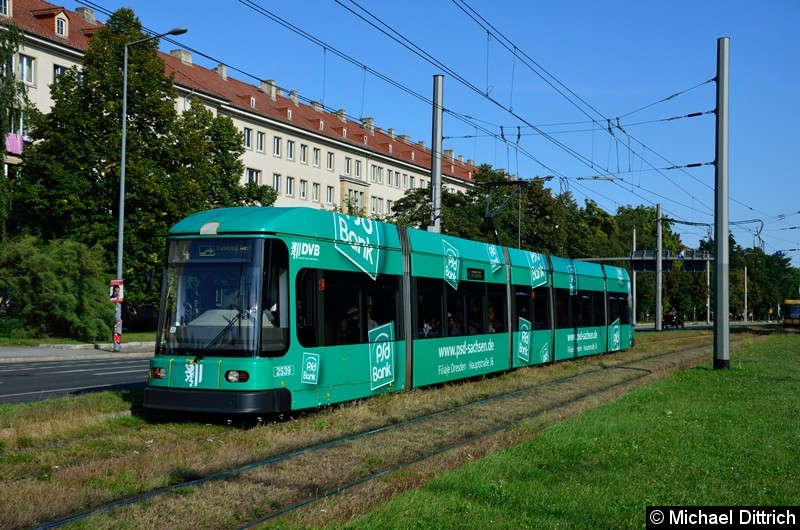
[64, 352]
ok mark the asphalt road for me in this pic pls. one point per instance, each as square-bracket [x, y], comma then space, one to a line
[29, 374]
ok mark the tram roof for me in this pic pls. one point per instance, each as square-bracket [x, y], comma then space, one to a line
[252, 220]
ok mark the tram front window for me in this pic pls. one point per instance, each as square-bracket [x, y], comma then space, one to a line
[215, 299]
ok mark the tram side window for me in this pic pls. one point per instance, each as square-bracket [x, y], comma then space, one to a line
[429, 308]
[618, 308]
[275, 298]
[541, 308]
[563, 309]
[444, 312]
[307, 321]
[496, 309]
[533, 305]
[589, 310]
[352, 303]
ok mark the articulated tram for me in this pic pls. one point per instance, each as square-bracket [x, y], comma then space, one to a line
[268, 309]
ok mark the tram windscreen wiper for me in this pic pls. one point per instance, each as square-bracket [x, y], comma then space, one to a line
[211, 345]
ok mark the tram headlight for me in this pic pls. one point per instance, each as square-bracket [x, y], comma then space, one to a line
[236, 376]
[158, 372]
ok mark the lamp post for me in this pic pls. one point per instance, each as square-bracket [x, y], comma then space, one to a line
[120, 236]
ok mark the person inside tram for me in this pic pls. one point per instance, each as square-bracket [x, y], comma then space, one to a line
[371, 324]
[350, 328]
[454, 325]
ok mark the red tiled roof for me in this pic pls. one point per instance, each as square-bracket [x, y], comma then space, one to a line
[37, 17]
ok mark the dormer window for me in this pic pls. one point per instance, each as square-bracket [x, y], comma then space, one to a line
[61, 26]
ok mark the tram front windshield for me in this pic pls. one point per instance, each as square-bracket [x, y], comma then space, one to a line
[213, 289]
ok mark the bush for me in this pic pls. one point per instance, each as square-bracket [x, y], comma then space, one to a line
[55, 289]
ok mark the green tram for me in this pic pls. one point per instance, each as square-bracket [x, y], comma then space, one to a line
[268, 309]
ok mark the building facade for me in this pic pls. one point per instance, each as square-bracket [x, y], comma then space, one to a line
[309, 155]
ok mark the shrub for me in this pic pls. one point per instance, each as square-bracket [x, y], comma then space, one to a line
[55, 289]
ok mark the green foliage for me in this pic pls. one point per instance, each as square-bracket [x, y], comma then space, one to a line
[176, 165]
[13, 100]
[56, 289]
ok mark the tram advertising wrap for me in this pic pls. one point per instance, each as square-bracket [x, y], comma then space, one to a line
[268, 309]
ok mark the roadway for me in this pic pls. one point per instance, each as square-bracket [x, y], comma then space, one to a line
[29, 374]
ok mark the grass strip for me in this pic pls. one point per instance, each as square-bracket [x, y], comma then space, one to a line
[700, 437]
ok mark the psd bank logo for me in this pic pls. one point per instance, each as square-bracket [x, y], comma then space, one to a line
[524, 346]
[616, 339]
[381, 356]
[452, 262]
[359, 241]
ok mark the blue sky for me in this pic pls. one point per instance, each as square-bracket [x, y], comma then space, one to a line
[532, 88]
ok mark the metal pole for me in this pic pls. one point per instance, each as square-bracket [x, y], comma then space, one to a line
[722, 359]
[121, 230]
[708, 292]
[519, 218]
[436, 156]
[633, 285]
[659, 252]
[745, 294]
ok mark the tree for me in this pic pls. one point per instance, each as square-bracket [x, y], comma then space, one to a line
[175, 165]
[55, 289]
[13, 101]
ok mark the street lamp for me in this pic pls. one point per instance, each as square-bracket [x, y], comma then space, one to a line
[120, 236]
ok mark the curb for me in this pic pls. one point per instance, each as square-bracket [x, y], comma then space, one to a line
[97, 346]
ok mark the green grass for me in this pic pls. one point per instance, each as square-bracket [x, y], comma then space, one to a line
[700, 437]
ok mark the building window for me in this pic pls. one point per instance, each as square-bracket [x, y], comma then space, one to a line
[374, 176]
[329, 195]
[260, 137]
[389, 176]
[315, 157]
[290, 186]
[405, 181]
[303, 154]
[389, 205]
[276, 146]
[21, 127]
[315, 191]
[58, 71]
[329, 162]
[355, 199]
[289, 149]
[26, 69]
[61, 27]
[4, 8]
[358, 168]
[253, 175]
[248, 137]
[276, 182]
[411, 181]
[348, 165]
[397, 179]
[303, 189]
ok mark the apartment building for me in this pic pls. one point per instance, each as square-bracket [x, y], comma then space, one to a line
[309, 155]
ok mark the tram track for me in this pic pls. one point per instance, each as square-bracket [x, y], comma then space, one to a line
[284, 486]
